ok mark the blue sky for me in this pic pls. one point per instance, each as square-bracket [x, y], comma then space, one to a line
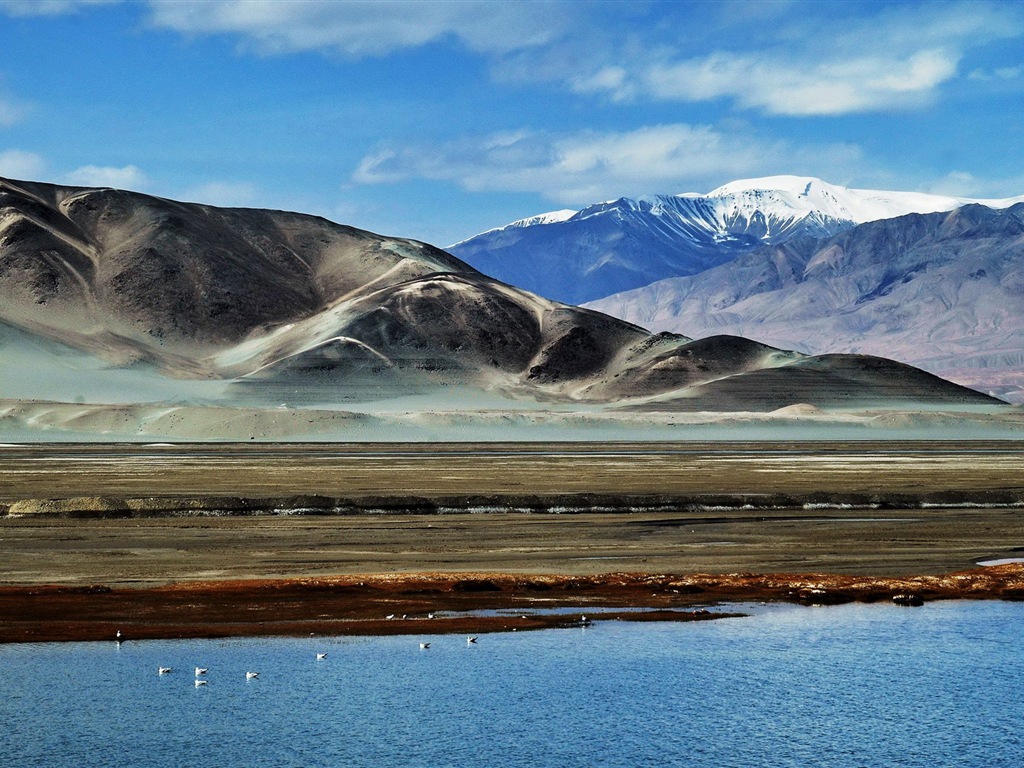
[437, 120]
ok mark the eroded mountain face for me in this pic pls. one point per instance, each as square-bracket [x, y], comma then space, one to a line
[139, 274]
[279, 301]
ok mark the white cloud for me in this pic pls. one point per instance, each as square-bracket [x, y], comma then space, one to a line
[129, 177]
[614, 80]
[223, 193]
[579, 168]
[791, 88]
[1000, 73]
[17, 164]
[12, 109]
[11, 112]
[47, 7]
[366, 27]
[965, 184]
[896, 59]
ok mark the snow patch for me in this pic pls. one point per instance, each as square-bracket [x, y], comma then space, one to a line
[551, 217]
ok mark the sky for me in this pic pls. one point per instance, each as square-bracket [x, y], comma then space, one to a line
[439, 120]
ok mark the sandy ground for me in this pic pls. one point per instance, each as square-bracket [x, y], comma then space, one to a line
[152, 552]
[836, 470]
[473, 416]
[98, 538]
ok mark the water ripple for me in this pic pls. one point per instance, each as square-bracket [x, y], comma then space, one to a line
[853, 685]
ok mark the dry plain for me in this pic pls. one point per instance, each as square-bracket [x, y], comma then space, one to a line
[140, 521]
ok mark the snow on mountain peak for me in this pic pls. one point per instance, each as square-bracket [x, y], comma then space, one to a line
[802, 195]
[552, 217]
[797, 185]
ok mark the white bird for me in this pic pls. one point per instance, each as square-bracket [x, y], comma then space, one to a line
[430, 615]
[251, 675]
[201, 671]
[424, 646]
[321, 656]
[119, 637]
[470, 640]
[200, 682]
[390, 616]
[163, 670]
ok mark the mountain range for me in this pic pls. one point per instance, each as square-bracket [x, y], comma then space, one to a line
[256, 306]
[800, 263]
[607, 248]
[943, 291]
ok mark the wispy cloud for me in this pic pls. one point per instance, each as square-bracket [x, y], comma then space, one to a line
[11, 112]
[12, 109]
[803, 59]
[791, 88]
[579, 168]
[232, 194]
[30, 166]
[965, 184]
[895, 59]
[47, 7]
[364, 27]
[18, 164]
[129, 177]
[1000, 73]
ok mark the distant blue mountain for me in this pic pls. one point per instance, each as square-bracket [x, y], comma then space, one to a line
[606, 248]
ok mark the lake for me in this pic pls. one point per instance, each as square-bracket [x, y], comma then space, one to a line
[855, 685]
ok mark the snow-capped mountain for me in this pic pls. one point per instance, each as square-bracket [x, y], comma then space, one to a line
[628, 243]
[801, 197]
[943, 291]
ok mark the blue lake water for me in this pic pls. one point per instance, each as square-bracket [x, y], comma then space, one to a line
[855, 685]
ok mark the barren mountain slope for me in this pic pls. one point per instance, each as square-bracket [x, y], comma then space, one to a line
[140, 277]
[289, 308]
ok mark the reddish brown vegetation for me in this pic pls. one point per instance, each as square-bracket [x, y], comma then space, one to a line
[359, 605]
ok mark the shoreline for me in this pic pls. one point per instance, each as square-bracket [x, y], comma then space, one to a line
[463, 603]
